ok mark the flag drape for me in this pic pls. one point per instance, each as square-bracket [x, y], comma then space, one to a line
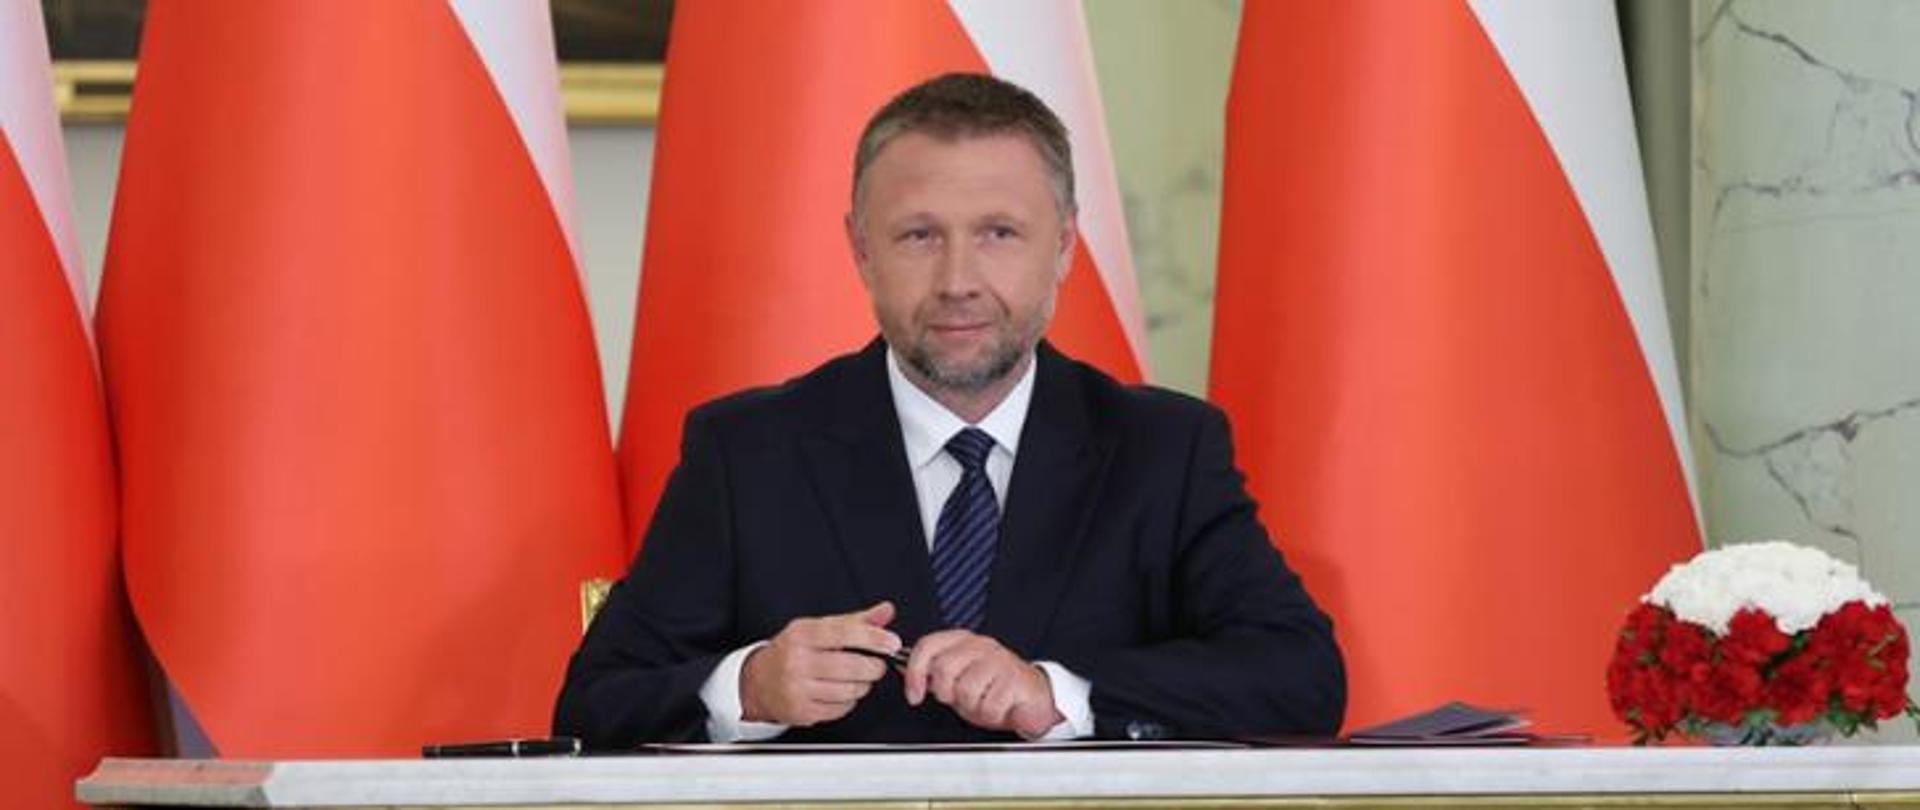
[73, 686]
[1454, 400]
[364, 443]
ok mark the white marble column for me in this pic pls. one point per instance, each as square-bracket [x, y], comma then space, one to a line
[1806, 281]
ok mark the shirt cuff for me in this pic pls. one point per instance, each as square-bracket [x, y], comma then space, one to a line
[1071, 696]
[721, 694]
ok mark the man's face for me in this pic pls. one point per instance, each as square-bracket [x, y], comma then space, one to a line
[962, 247]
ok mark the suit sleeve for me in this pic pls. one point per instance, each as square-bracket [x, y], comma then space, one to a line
[1249, 652]
[637, 675]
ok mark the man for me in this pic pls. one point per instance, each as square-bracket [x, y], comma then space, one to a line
[1064, 555]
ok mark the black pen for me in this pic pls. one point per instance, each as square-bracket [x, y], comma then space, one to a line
[542, 747]
[897, 658]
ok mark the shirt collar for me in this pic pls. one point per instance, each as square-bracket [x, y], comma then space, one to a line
[926, 425]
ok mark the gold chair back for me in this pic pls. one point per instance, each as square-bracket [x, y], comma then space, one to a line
[593, 594]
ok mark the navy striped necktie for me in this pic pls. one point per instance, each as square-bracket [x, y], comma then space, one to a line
[964, 537]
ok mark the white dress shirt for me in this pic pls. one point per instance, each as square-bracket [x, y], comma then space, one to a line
[925, 428]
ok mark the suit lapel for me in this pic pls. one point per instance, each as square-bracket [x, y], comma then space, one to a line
[859, 467]
[1057, 473]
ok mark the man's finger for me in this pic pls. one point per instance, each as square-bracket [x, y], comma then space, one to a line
[848, 667]
[846, 630]
[820, 711]
[836, 692]
[966, 656]
[975, 691]
[925, 652]
[973, 675]
[865, 629]
[997, 707]
[880, 615]
[945, 673]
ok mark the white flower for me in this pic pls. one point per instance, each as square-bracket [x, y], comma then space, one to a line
[1796, 585]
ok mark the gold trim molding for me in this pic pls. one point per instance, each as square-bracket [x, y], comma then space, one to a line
[603, 93]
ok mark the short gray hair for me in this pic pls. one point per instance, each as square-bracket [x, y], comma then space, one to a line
[970, 105]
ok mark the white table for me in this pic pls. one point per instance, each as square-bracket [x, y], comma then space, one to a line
[1837, 776]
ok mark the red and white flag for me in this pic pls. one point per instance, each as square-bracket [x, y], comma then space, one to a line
[747, 277]
[1441, 338]
[362, 429]
[73, 686]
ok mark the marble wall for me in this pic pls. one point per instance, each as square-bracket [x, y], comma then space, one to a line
[1805, 296]
[1164, 70]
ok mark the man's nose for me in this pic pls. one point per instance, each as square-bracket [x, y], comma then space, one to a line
[957, 273]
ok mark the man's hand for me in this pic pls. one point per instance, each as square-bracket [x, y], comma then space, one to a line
[984, 682]
[802, 677]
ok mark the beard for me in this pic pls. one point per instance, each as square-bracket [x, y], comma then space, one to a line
[956, 375]
[1012, 342]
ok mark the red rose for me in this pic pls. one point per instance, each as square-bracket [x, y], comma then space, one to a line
[1859, 681]
[1639, 689]
[1659, 706]
[1753, 638]
[1889, 699]
[1798, 690]
[1685, 646]
[1733, 689]
[1727, 695]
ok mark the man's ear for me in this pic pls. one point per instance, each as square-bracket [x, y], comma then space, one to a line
[1069, 240]
[857, 243]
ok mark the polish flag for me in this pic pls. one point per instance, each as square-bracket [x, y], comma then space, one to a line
[1441, 338]
[73, 686]
[361, 424]
[747, 278]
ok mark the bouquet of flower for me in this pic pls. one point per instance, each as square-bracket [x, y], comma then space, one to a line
[1760, 643]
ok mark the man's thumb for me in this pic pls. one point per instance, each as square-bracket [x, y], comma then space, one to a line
[879, 615]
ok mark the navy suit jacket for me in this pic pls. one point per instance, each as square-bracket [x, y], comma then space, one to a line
[1129, 553]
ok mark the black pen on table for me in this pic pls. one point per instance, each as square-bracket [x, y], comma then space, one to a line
[537, 747]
